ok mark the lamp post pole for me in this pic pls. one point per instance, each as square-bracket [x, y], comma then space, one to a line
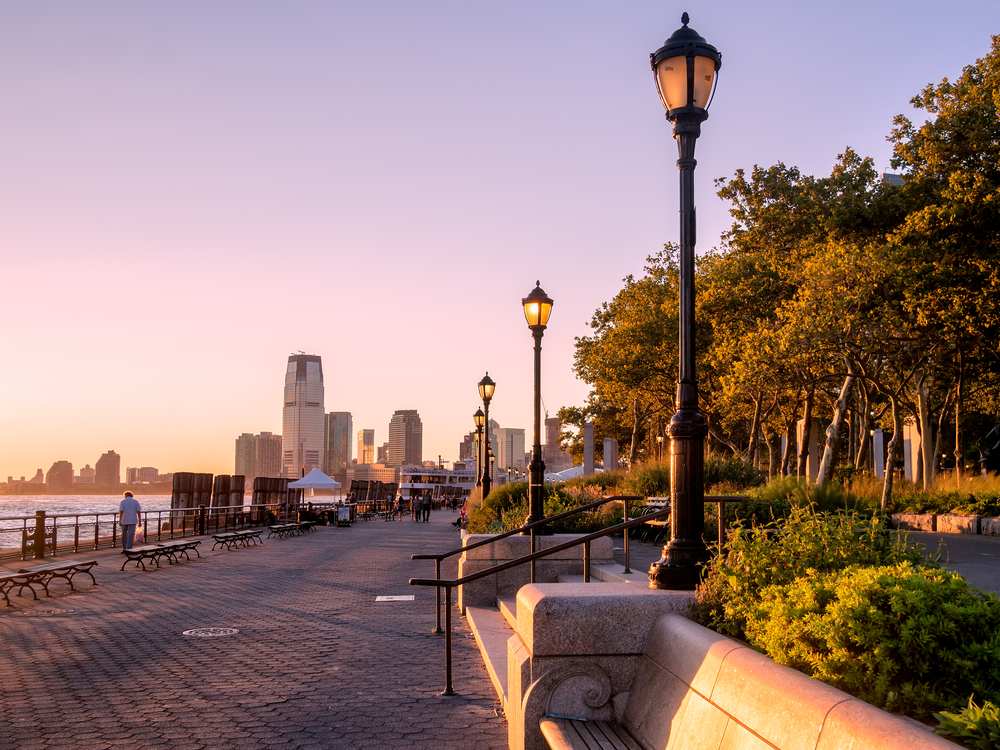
[537, 308]
[477, 419]
[486, 388]
[684, 70]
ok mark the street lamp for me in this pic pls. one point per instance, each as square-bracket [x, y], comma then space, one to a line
[486, 388]
[684, 70]
[537, 308]
[659, 448]
[493, 461]
[477, 418]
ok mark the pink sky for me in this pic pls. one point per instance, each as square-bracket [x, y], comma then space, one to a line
[191, 191]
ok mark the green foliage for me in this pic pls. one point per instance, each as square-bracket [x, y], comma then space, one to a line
[648, 480]
[906, 639]
[500, 500]
[974, 727]
[807, 542]
[731, 469]
[506, 507]
[787, 491]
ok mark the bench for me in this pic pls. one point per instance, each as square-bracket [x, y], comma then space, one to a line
[658, 526]
[153, 552]
[8, 581]
[44, 574]
[701, 690]
[283, 530]
[232, 539]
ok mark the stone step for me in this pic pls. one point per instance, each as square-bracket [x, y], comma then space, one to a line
[492, 632]
[508, 607]
[608, 574]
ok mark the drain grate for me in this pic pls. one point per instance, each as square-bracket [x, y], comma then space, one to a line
[44, 612]
[210, 632]
[407, 598]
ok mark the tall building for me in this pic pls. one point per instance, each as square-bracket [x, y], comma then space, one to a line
[142, 475]
[246, 453]
[554, 457]
[406, 438]
[302, 416]
[382, 453]
[510, 449]
[108, 470]
[86, 476]
[366, 447]
[59, 476]
[338, 430]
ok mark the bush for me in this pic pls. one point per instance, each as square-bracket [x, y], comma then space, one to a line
[906, 639]
[506, 507]
[648, 480]
[731, 469]
[807, 542]
[973, 727]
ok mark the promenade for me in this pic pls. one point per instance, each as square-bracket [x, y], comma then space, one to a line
[317, 663]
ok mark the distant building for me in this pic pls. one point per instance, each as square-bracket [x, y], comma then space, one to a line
[246, 455]
[382, 454]
[86, 476]
[891, 178]
[376, 473]
[60, 476]
[302, 417]
[406, 438]
[258, 455]
[366, 447]
[467, 448]
[108, 470]
[142, 475]
[510, 449]
[338, 430]
[555, 458]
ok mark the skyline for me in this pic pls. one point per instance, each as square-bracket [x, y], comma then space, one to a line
[189, 194]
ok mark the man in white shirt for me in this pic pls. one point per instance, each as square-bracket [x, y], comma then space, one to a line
[128, 519]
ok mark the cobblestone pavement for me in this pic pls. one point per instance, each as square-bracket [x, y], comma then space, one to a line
[317, 663]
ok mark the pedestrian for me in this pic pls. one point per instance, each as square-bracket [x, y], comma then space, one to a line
[399, 507]
[425, 506]
[128, 519]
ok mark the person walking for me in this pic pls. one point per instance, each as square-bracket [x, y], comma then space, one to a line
[128, 519]
[425, 506]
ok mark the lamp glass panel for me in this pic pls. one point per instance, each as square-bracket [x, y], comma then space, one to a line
[531, 313]
[671, 80]
[704, 75]
[486, 391]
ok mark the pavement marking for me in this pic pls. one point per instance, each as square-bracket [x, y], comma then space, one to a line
[210, 632]
[407, 598]
[44, 612]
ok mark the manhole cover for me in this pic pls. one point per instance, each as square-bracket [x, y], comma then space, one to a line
[407, 598]
[45, 612]
[210, 632]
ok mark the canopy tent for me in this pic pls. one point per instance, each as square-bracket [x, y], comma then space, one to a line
[315, 480]
[576, 471]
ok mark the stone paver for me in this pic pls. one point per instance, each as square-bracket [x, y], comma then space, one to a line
[317, 662]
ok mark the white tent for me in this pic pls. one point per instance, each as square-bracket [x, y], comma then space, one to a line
[315, 480]
[562, 476]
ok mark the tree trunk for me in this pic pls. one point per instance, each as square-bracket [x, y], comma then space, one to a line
[752, 450]
[807, 416]
[866, 421]
[786, 454]
[833, 431]
[960, 393]
[924, 418]
[636, 422]
[773, 455]
[939, 432]
[893, 449]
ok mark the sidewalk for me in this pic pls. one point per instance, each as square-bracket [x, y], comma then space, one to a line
[317, 663]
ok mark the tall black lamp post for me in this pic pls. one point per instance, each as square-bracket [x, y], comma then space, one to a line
[486, 388]
[684, 69]
[537, 308]
[477, 418]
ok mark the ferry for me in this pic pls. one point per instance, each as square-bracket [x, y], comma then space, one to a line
[438, 482]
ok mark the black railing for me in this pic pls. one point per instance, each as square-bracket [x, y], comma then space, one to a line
[584, 540]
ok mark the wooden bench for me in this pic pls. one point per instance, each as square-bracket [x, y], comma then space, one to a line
[8, 581]
[283, 530]
[700, 690]
[44, 574]
[233, 539]
[154, 552]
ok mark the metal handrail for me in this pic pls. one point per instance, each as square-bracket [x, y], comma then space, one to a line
[584, 540]
[527, 527]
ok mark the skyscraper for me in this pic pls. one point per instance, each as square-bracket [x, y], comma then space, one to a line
[366, 446]
[60, 476]
[246, 453]
[338, 430]
[302, 416]
[108, 470]
[406, 438]
[510, 447]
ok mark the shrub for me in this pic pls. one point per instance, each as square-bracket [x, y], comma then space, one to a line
[648, 480]
[807, 542]
[506, 507]
[732, 469]
[906, 639]
[973, 727]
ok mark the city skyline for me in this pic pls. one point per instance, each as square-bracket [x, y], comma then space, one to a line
[168, 168]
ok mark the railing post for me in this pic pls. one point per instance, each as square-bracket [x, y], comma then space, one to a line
[201, 520]
[448, 690]
[437, 597]
[532, 552]
[626, 530]
[39, 552]
[586, 562]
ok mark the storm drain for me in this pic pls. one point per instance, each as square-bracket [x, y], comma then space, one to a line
[44, 612]
[210, 632]
[405, 598]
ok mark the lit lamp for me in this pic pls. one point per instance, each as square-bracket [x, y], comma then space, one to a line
[659, 448]
[477, 418]
[684, 70]
[537, 308]
[486, 388]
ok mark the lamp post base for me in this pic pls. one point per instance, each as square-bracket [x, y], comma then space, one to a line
[681, 566]
[545, 530]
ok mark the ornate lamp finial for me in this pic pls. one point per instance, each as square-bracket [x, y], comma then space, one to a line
[685, 18]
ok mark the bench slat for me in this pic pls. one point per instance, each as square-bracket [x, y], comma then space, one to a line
[575, 734]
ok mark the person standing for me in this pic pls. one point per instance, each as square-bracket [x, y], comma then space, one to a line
[425, 506]
[128, 519]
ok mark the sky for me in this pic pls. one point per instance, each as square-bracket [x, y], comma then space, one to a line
[191, 191]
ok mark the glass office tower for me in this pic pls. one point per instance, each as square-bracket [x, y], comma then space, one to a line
[303, 416]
